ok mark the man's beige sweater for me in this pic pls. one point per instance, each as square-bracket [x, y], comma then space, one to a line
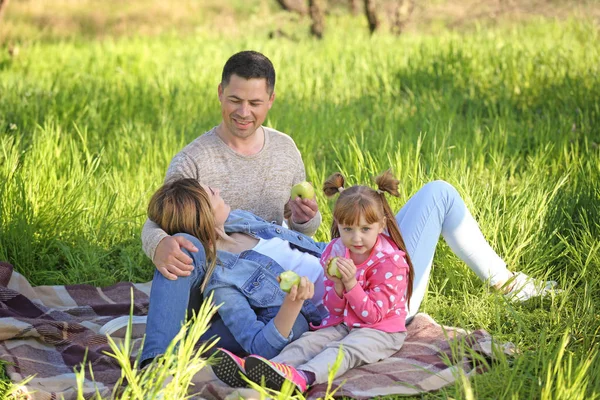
[260, 183]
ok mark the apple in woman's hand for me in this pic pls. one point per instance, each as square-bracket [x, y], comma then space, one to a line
[332, 268]
[288, 279]
[304, 190]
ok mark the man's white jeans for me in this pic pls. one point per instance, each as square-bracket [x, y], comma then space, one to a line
[436, 209]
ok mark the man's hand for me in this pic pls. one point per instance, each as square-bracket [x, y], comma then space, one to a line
[303, 210]
[170, 260]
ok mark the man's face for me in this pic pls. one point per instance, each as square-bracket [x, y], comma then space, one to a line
[244, 105]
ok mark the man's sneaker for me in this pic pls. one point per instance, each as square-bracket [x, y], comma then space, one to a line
[275, 374]
[117, 327]
[524, 287]
[229, 368]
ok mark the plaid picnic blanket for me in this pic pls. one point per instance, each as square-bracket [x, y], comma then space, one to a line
[46, 331]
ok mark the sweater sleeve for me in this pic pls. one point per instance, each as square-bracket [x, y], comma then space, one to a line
[181, 167]
[309, 227]
[384, 287]
[152, 234]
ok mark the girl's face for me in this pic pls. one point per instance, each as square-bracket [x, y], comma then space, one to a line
[219, 207]
[360, 239]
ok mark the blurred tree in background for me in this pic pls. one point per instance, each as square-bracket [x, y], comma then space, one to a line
[3, 4]
[395, 14]
[298, 6]
[38, 20]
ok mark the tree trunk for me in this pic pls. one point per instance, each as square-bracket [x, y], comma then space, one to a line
[318, 19]
[372, 17]
[3, 4]
[355, 6]
[401, 15]
[298, 6]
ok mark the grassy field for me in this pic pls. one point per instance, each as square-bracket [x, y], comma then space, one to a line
[508, 114]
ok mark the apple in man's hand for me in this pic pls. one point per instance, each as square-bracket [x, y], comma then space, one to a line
[332, 268]
[304, 190]
[288, 279]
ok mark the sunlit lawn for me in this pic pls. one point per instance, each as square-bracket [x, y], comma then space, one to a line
[510, 116]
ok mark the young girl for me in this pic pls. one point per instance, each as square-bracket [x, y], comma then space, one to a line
[367, 302]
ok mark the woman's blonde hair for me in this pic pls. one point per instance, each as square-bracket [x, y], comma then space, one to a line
[357, 201]
[183, 206]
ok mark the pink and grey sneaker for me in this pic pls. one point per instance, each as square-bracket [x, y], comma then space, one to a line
[274, 373]
[230, 368]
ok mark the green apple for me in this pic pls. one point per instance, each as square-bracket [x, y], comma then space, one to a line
[332, 268]
[288, 279]
[304, 190]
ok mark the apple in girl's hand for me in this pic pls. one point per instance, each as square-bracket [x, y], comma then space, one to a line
[332, 268]
[288, 279]
[304, 190]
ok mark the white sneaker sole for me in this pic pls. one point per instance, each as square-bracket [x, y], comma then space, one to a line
[121, 322]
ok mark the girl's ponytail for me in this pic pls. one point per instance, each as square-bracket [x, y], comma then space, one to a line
[386, 182]
[334, 184]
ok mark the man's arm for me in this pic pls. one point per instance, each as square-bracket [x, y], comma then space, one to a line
[304, 215]
[165, 251]
[151, 237]
[309, 227]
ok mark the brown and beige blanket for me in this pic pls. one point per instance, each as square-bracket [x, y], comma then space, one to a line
[46, 331]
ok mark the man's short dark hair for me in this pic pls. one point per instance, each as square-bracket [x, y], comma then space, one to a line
[249, 65]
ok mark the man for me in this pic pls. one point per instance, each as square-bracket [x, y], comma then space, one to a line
[254, 166]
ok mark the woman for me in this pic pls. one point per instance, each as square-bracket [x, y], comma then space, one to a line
[255, 315]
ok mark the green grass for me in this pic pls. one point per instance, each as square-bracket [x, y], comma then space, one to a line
[510, 116]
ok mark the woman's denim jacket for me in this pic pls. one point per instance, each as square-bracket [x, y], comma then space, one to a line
[245, 282]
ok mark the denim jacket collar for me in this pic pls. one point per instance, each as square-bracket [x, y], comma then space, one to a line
[248, 223]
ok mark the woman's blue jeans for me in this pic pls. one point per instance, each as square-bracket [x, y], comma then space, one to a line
[171, 300]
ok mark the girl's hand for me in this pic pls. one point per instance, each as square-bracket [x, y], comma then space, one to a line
[305, 290]
[338, 285]
[334, 279]
[348, 271]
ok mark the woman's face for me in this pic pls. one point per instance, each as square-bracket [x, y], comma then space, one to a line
[219, 207]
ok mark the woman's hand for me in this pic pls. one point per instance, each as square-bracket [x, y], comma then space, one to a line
[305, 290]
[292, 304]
[347, 269]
